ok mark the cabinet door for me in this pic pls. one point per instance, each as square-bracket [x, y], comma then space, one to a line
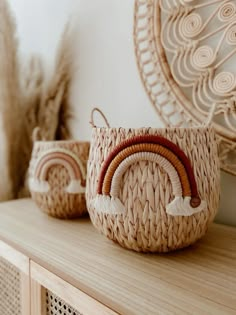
[14, 282]
[50, 295]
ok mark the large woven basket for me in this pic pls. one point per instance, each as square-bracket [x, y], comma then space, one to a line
[57, 177]
[153, 190]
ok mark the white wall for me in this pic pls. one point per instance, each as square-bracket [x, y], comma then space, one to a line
[40, 23]
[107, 74]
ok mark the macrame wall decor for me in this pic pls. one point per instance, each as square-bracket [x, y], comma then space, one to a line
[186, 56]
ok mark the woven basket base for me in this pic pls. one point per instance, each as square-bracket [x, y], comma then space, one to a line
[163, 240]
[66, 207]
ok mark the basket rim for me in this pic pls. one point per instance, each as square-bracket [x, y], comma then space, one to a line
[208, 128]
[61, 142]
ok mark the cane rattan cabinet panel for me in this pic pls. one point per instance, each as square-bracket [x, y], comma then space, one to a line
[56, 306]
[52, 295]
[14, 282]
[74, 270]
[10, 289]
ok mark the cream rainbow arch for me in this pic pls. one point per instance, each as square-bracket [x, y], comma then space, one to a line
[58, 156]
[165, 154]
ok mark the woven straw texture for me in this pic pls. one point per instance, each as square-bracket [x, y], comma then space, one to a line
[145, 190]
[57, 202]
[56, 306]
[10, 296]
[185, 53]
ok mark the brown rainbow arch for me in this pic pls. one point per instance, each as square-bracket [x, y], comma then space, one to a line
[67, 159]
[156, 149]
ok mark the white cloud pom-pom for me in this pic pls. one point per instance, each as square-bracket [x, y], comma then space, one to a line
[38, 185]
[75, 187]
[107, 204]
[181, 206]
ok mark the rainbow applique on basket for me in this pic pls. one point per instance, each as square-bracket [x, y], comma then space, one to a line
[160, 151]
[66, 159]
[152, 189]
[57, 177]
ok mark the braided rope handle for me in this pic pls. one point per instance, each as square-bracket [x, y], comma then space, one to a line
[95, 109]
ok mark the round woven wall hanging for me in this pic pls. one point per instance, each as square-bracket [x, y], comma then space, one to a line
[186, 56]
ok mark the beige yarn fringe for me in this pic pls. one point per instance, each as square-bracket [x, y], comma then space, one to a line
[145, 190]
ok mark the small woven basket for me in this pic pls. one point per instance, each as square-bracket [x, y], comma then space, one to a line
[153, 190]
[57, 177]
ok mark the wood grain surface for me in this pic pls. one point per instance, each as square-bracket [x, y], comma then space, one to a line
[198, 280]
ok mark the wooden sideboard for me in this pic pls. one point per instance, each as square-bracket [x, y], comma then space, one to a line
[54, 267]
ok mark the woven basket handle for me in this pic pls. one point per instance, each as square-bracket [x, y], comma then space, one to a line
[95, 109]
[36, 135]
[210, 115]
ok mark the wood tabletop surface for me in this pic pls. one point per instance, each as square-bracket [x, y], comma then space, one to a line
[198, 280]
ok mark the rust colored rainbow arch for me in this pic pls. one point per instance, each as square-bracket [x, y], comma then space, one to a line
[67, 159]
[161, 151]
